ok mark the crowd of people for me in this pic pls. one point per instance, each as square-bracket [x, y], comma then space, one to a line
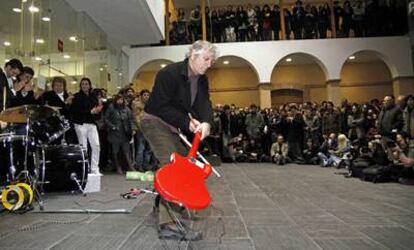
[378, 133]
[302, 21]
[351, 136]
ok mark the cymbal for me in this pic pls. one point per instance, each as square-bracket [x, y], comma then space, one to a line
[20, 114]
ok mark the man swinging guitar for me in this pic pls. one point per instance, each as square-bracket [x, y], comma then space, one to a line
[180, 89]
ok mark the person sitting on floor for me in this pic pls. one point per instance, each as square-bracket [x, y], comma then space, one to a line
[279, 151]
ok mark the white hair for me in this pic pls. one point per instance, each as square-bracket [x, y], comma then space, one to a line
[201, 47]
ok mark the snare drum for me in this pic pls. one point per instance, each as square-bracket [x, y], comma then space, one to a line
[12, 156]
[59, 164]
[50, 129]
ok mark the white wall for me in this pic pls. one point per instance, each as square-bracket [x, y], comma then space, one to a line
[263, 56]
[157, 8]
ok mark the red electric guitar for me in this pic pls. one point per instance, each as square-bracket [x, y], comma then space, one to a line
[182, 181]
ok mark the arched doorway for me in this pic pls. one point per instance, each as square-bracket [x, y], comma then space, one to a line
[145, 75]
[283, 96]
[300, 72]
[233, 80]
[365, 76]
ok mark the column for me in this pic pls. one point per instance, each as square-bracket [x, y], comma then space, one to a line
[403, 85]
[282, 20]
[203, 19]
[334, 91]
[265, 95]
[167, 22]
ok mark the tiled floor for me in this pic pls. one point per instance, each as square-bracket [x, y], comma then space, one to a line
[255, 206]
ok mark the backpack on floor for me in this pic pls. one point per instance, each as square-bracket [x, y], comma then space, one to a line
[376, 174]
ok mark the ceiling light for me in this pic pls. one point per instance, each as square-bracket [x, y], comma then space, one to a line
[118, 87]
[24, 1]
[17, 10]
[120, 74]
[226, 62]
[40, 40]
[7, 43]
[101, 69]
[73, 38]
[33, 9]
[66, 56]
[6, 60]
[46, 19]
[288, 59]
[74, 82]
[38, 58]
[163, 65]
[351, 57]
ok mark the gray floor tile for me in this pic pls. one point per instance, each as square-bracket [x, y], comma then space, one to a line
[349, 244]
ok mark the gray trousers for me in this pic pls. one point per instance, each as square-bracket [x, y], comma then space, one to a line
[163, 143]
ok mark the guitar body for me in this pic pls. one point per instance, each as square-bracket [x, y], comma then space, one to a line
[182, 181]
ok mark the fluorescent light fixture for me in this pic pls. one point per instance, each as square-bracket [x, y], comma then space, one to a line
[38, 58]
[40, 41]
[33, 9]
[7, 43]
[46, 19]
[73, 38]
[351, 57]
[288, 59]
[66, 56]
[17, 10]
[226, 62]
[163, 65]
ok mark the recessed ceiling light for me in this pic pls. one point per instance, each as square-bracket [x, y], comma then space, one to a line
[101, 69]
[46, 19]
[40, 41]
[351, 57]
[24, 1]
[163, 65]
[74, 82]
[66, 56]
[38, 58]
[17, 10]
[6, 60]
[288, 59]
[118, 87]
[120, 74]
[226, 62]
[33, 9]
[7, 43]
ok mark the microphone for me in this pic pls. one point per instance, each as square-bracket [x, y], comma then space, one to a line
[74, 177]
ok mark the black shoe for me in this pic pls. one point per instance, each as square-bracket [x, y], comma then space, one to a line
[171, 232]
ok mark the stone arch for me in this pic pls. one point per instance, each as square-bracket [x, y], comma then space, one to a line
[301, 71]
[144, 76]
[365, 75]
[233, 79]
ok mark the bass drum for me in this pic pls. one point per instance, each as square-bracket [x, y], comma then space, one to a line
[60, 165]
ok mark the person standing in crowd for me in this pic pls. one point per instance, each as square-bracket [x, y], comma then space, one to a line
[241, 18]
[298, 15]
[267, 23]
[276, 22]
[12, 68]
[408, 128]
[358, 18]
[85, 111]
[121, 127]
[390, 119]
[59, 97]
[195, 23]
[142, 151]
[288, 23]
[347, 14]
[324, 14]
[180, 89]
[254, 123]
[26, 95]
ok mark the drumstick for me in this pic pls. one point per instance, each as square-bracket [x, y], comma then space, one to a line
[4, 97]
[198, 154]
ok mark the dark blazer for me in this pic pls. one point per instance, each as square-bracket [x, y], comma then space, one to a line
[19, 99]
[81, 107]
[171, 97]
[9, 93]
[52, 99]
[120, 123]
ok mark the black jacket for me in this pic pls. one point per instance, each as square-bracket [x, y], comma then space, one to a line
[19, 99]
[171, 97]
[52, 99]
[81, 107]
[9, 93]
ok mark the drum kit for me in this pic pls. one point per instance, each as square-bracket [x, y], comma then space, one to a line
[34, 152]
